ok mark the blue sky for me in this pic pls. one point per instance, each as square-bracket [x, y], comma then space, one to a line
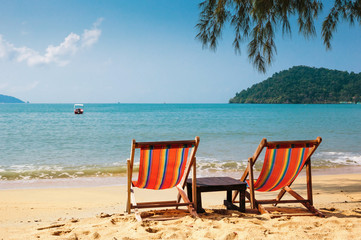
[139, 52]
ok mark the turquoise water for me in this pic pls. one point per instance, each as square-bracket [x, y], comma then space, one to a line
[50, 141]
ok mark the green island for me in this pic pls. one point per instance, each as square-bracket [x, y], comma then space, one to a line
[302, 84]
[9, 99]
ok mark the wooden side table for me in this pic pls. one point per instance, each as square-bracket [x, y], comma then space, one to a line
[212, 184]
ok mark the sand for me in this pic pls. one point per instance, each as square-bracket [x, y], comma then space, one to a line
[98, 213]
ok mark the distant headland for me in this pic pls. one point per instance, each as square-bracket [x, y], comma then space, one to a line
[9, 99]
[302, 84]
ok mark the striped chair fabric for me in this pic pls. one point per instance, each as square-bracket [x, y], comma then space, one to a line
[162, 166]
[281, 166]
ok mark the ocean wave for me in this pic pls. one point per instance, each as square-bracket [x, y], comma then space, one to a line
[26, 172]
[205, 167]
[335, 159]
[214, 165]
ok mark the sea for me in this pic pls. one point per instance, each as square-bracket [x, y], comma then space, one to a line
[48, 141]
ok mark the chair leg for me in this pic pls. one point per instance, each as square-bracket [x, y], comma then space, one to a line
[134, 204]
[258, 206]
[183, 195]
[243, 178]
[309, 206]
[127, 209]
[261, 209]
[309, 181]
[129, 185]
[280, 195]
[178, 199]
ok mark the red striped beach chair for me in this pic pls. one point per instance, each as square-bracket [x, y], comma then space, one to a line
[283, 162]
[163, 165]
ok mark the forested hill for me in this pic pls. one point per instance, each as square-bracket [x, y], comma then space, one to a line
[9, 99]
[301, 84]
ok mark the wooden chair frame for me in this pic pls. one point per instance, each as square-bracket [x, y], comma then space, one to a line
[191, 164]
[257, 204]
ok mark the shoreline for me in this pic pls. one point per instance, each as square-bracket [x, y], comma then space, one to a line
[87, 182]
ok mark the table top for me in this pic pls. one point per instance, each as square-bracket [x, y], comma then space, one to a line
[217, 181]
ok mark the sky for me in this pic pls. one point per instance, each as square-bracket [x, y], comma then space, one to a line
[140, 51]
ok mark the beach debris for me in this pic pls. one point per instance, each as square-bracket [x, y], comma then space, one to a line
[61, 232]
[317, 224]
[329, 209]
[151, 230]
[146, 223]
[267, 232]
[96, 235]
[104, 215]
[146, 214]
[231, 236]
[51, 226]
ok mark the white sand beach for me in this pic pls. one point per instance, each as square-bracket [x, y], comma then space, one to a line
[98, 213]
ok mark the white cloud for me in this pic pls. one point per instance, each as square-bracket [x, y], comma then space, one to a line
[5, 48]
[53, 54]
[90, 37]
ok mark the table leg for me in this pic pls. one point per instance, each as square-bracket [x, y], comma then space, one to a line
[228, 202]
[229, 196]
[189, 191]
[199, 202]
[242, 200]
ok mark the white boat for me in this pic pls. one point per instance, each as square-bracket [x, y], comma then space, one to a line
[78, 108]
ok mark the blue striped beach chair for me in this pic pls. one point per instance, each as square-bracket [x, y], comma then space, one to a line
[283, 162]
[163, 165]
